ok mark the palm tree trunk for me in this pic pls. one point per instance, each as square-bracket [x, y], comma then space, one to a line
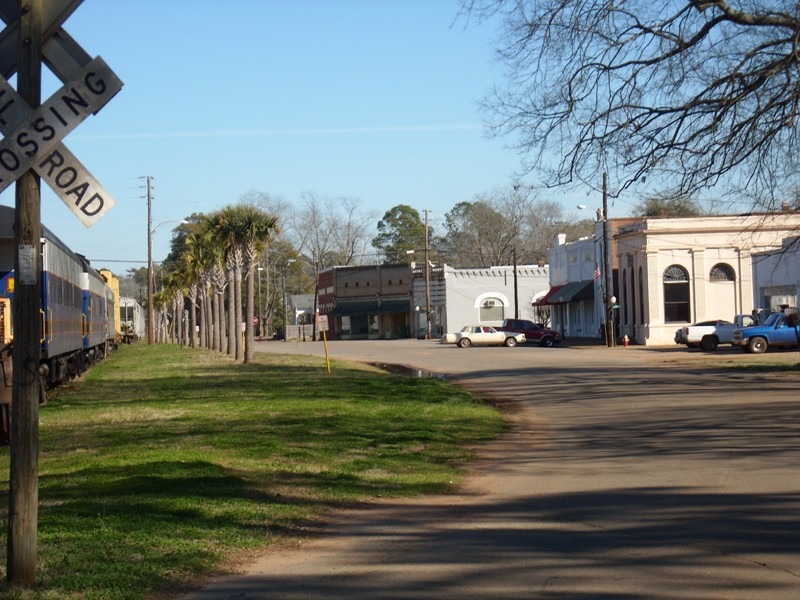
[204, 320]
[231, 313]
[237, 302]
[208, 326]
[216, 342]
[192, 315]
[249, 337]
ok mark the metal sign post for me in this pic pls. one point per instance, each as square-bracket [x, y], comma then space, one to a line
[321, 322]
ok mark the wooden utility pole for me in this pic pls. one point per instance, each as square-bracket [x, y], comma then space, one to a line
[608, 266]
[150, 275]
[428, 308]
[516, 287]
[23, 499]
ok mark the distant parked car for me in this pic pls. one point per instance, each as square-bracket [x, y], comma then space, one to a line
[482, 335]
[534, 332]
[710, 334]
[779, 330]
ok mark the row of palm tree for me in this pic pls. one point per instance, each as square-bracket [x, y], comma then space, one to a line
[203, 286]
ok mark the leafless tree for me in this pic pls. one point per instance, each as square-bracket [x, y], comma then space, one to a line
[496, 226]
[351, 229]
[686, 95]
[330, 231]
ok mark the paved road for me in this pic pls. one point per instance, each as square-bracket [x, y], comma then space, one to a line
[629, 473]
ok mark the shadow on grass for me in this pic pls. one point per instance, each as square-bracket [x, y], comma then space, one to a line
[166, 473]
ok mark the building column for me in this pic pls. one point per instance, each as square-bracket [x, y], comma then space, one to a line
[654, 298]
[698, 285]
[747, 297]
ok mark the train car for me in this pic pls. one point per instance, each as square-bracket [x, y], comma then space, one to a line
[5, 371]
[62, 310]
[95, 309]
[75, 327]
[113, 308]
[132, 320]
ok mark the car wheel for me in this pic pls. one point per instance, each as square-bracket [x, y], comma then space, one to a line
[464, 343]
[709, 343]
[757, 345]
[547, 342]
[511, 342]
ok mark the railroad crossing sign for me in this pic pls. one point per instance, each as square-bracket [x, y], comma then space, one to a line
[32, 137]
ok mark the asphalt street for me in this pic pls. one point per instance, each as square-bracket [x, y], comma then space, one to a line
[627, 473]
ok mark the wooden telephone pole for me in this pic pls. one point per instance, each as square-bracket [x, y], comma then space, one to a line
[608, 268]
[23, 500]
[32, 144]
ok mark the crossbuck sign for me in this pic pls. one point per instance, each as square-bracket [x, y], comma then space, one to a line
[32, 137]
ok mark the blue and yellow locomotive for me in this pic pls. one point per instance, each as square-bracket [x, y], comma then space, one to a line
[78, 307]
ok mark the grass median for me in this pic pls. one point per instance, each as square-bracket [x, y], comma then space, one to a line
[166, 462]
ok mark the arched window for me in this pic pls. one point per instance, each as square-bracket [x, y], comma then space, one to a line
[722, 272]
[492, 310]
[676, 295]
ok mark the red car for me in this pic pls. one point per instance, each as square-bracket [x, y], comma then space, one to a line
[534, 332]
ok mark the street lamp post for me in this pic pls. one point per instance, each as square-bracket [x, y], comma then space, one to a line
[285, 308]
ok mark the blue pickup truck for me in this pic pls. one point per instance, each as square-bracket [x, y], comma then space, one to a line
[780, 330]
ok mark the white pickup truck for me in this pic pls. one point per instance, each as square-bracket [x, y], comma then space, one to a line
[707, 335]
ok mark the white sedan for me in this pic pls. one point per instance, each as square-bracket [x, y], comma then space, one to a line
[482, 334]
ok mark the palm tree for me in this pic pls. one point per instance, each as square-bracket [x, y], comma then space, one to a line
[219, 228]
[222, 227]
[255, 227]
[251, 229]
[242, 230]
[197, 258]
[219, 282]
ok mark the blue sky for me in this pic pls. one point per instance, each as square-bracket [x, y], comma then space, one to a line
[368, 99]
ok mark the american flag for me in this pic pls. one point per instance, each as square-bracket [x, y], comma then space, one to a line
[596, 271]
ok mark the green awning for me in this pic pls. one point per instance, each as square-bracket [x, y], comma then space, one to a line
[371, 307]
[573, 292]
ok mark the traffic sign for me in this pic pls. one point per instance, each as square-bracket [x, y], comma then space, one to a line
[43, 128]
[62, 171]
[33, 137]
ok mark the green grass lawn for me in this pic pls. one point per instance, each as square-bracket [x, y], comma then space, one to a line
[167, 462]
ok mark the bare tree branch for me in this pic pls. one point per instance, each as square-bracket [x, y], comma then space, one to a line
[691, 94]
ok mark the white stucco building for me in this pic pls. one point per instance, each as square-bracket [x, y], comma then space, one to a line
[574, 287]
[776, 275]
[677, 271]
[480, 295]
[667, 273]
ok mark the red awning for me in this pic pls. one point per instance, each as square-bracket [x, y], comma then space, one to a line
[546, 298]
